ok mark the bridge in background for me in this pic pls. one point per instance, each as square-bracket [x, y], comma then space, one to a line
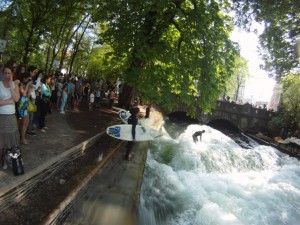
[244, 117]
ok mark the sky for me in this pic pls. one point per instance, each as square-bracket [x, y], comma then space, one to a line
[259, 87]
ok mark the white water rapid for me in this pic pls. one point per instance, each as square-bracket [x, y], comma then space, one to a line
[216, 182]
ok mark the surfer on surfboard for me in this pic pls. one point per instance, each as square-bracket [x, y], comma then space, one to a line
[196, 134]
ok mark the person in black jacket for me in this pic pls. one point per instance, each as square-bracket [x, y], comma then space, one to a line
[133, 119]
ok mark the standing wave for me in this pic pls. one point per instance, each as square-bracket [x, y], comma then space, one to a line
[216, 182]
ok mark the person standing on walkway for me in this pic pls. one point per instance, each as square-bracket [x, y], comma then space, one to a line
[64, 98]
[77, 93]
[70, 90]
[112, 97]
[86, 93]
[13, 64]
[45, 102]
[133, 120]
[91, 100]
[59, 86]
[34, 97]
[283, 134]
[25, 86]
[9, 95]
[21, 69]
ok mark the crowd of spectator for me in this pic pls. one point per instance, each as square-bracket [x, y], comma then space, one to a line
[21, 86]
[241, 102]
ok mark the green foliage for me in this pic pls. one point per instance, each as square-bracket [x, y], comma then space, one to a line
[173, 51]
[291, 97]
[282, 119]
[281, 20]
[99, 64]
[61, 35]
[237, 79]
[36, 28]
[289, 112]
[32, 21]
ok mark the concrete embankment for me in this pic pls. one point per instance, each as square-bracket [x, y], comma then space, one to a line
[110, 193]
[75, 169]
[282, 148]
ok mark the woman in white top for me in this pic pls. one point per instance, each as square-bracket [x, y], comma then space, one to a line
[9, 95]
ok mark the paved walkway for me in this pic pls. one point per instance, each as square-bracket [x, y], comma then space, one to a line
[65, 131]
[74, 129]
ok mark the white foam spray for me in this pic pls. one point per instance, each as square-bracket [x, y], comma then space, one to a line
[216, 182]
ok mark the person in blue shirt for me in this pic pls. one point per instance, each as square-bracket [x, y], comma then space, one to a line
[1, 68]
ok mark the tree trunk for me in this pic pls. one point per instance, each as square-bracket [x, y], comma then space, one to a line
[47, 60]
[67, 44]
[125, 98]
[8, 22]
[27, 49]
[76, 46]
[59, 41]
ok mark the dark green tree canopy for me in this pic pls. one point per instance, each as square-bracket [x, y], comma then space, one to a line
[172, 51]
[281, 20]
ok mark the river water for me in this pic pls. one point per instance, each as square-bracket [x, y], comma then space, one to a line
[217, 182]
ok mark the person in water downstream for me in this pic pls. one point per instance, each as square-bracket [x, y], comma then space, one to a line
[133, 119]
[196, 134]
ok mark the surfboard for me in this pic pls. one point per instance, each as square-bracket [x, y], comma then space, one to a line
[123, 132]
[124, 116]
[295, 140]
[148, 122]
[285, 141]
[117, 108]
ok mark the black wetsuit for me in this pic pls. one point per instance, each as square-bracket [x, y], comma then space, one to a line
[147, 112]
[134, 121]
[196, 134]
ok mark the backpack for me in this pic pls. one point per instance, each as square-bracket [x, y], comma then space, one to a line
[14, 158]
